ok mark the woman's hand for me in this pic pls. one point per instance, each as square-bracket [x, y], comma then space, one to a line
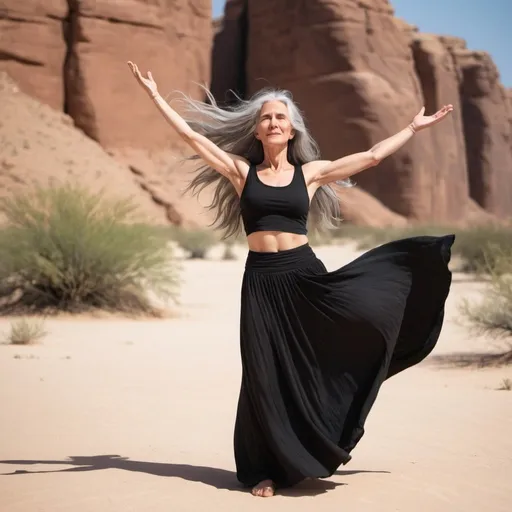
[420, 121]
[148, 83]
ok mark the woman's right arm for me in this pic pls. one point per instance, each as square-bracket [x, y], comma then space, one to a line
[227, 164]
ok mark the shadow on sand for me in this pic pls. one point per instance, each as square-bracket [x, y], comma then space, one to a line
[215, 477]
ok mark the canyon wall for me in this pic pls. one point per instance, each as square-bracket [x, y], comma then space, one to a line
[358, 73]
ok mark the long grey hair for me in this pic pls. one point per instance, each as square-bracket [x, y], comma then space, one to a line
[232, 129]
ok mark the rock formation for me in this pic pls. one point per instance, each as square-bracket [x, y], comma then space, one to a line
[357, 72]
[438, 75]
[509, 97]
[362, 209]
[33, 48]
[72, 55]
[487, 130]
[40, 145]
[360, 75]
[228, 53]
[173, 41]
[351, 71]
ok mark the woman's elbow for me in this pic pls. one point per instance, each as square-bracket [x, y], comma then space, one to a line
[373, 158]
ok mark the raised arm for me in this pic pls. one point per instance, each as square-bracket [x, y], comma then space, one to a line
[324, 172]
[225, 163]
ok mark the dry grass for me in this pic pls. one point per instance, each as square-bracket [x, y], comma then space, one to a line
[492, 315]
[485, 250]
[26, 331]
[506, 385]
[368, 237]
[480, 248]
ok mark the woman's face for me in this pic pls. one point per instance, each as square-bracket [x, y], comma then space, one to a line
[274, 126]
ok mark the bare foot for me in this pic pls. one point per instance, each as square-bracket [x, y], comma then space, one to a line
[265, 489]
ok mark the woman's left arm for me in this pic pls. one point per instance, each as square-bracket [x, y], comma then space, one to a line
[327, 172]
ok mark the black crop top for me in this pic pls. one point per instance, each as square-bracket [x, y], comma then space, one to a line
[269, 208]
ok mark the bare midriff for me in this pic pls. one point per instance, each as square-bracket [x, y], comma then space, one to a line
[275, 241]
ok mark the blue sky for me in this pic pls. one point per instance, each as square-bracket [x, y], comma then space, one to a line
[484, 24]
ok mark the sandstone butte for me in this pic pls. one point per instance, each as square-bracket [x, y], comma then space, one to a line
[70, 109]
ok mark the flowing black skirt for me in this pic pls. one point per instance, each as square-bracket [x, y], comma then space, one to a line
[316, 347]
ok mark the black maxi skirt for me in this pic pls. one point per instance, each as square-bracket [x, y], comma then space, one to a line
[316, 347]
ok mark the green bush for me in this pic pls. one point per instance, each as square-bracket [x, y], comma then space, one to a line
[369, 237]
[67, 249]
[480, 247]
[197, 242]
[493, 314]
[483, 248]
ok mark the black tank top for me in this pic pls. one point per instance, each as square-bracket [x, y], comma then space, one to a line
[268, 208]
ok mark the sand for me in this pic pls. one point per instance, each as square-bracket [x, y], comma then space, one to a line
[112, 414]
[40, 146]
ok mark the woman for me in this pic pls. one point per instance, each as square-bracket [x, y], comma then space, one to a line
[315, 345]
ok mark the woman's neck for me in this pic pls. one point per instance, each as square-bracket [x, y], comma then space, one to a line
[276, 159]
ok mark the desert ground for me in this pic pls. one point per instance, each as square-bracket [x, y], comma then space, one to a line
[112, 414]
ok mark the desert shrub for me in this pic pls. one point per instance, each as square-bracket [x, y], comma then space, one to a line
[65, 248]
[369, 237]
[197, 242]
[479, 247]
[506, 385]
[493, 314]
[26, 331]
[483, 248]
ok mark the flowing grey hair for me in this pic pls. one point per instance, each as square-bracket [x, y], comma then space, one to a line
[232, 129]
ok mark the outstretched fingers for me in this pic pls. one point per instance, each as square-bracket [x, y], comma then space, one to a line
[135, 70]
[138, 75]
[443, 112]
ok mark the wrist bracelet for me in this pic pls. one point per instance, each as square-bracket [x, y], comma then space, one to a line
[412, 128]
